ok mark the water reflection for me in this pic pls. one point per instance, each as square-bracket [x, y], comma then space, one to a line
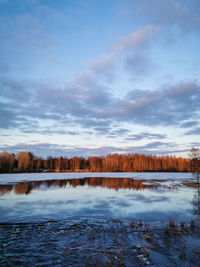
[196, 203]
[104, 182]
[5, 189]
[95, 197]
[23, 188]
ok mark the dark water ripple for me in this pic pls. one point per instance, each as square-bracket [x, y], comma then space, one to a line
[98, 243]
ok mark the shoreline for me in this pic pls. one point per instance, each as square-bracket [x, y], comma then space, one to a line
[87, 171]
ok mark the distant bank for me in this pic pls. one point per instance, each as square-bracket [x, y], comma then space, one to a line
[27, 162]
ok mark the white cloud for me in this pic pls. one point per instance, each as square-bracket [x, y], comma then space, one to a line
[138, 40]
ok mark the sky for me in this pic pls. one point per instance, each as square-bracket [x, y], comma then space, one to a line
[93, 77]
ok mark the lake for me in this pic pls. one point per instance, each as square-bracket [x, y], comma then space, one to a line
[58, 196]
[55, 202]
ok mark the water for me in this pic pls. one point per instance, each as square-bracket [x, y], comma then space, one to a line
[61, 196]
[99, 219]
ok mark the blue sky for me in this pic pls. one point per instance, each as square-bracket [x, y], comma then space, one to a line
[95, 77]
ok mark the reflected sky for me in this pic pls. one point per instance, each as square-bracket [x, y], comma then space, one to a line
[95, 197]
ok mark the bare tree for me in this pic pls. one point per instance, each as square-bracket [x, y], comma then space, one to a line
[25, 161]
[195, 162]
[7, 162]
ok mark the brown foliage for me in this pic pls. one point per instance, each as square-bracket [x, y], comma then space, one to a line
[111, 163]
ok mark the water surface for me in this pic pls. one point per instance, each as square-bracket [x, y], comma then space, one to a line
[99, 219]
[151, 197]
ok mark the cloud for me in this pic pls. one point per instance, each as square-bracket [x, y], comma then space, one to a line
[138, 65]
[134, 50]
[130, 53]
[143, 135]
[138, 40]
[195, 131]
[46, 149]
[103, 68]
[39, 149]
[96, 108]
[169, 13]
[92, 122]
[48, 131]
[17, 91]
[8, 118]
[189, 124]
[169, 106]
[114, 133]
[102, 64]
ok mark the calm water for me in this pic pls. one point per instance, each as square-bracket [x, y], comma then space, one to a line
[145, 196]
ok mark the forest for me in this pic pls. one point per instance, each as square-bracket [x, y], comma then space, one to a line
[27, 162]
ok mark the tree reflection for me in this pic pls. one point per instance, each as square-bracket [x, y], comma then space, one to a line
[196, 203]
[4, 189]
[110, 183]
[23, 188]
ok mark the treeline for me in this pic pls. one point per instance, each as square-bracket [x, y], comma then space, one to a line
[27, 162]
